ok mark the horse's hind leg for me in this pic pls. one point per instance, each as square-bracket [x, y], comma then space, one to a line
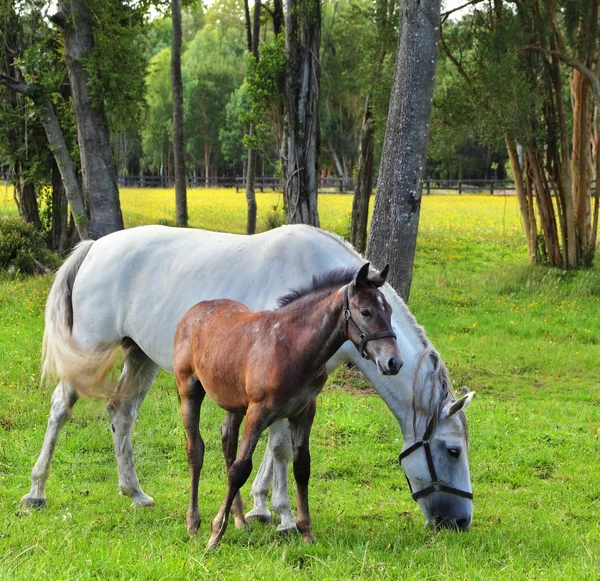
[138, 375]
[63, 400]
[230, 430]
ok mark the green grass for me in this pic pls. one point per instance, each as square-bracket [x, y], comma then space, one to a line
[525, 338]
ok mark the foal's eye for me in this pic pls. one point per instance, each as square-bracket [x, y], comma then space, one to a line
[365, 312]
[454, 452]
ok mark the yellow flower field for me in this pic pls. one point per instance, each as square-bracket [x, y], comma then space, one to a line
[447, 219]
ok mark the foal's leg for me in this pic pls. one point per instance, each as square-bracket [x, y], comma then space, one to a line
[274, 466]
[230, 431]
[300, 428]
[257, 420]
[191, 395]
[138, 375]
[61, 408]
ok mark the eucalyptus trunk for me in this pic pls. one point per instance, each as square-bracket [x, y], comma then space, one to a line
[364, 182]
[97, 166]
[300, 144]
[181, 211]
[394, 228]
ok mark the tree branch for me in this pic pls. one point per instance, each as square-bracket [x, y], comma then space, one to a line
[445, 15]
[17, 86]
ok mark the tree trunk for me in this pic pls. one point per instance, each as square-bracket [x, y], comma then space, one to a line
[26, 198]
[394, 228]
[60, 211]
[364, 182]
[528, 220]
[97, 165]
[207, 153]
[181, 211]
[300, 144]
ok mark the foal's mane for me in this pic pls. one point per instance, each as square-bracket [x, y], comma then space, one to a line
[329, 279]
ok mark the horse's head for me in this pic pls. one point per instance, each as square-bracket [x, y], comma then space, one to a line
[436, 464]
[369, 321]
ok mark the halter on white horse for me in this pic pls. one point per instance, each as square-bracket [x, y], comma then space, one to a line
[134, 286]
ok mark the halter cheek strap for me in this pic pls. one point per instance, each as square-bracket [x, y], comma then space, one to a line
[436, 485]
[363, 337]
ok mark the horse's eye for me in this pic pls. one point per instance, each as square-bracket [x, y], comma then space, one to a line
[365, 312]
[454, 452]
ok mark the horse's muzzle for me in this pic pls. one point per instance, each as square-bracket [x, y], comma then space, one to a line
[453, 524]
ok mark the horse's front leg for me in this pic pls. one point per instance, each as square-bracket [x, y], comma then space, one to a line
[61, 409]
[257, 420]
[136, 380]
[300, 429]
[274, 465]
[230, 431]
[191, 395]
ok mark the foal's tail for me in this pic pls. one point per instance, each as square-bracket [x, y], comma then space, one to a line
[84, 370]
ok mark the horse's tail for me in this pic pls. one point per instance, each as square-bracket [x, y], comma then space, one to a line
[84, 370]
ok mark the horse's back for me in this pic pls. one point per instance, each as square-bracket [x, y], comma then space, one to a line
[138, 283]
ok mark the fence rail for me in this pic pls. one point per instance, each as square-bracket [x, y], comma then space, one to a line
[326, 184]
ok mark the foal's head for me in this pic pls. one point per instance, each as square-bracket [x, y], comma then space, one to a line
[369, 320]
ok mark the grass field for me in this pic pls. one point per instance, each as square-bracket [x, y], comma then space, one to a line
[524, 338]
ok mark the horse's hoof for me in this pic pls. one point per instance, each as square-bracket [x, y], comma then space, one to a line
[287, 529]
[138, 498]
[260, 518]
[33, 502]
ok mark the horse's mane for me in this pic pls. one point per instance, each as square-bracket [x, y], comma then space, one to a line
[329, 279]
[439, 376]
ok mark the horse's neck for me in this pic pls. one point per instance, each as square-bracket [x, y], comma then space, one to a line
[398, 391]
[315, 327]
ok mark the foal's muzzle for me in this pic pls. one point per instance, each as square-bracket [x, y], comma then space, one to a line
[392, 367]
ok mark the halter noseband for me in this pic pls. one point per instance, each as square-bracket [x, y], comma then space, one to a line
[363, 338]
[436, 485]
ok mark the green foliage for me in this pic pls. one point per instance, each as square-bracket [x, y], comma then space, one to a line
[232, 133]
[23, 247]
[116, 64]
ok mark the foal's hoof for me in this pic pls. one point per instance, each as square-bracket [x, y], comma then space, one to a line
[308, 538]
[241, 522]
[213, 542]
[31, 502]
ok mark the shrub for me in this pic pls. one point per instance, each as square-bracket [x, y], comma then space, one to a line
[23, 247]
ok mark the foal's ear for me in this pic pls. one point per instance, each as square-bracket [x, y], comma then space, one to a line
[380, 278]
[362, 277]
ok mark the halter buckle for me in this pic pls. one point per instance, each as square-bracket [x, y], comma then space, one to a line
[436, 485]
[347, 314]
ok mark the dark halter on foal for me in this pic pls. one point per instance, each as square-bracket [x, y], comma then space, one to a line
[436, 485]
[363, 338]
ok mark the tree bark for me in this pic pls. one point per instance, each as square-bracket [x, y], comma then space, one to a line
[26, 198]
[253, 30]
[97, 165]
[181, 211]
[59, 148]
[364, 182]
[394, 228]
[300, 144]
[60, 211]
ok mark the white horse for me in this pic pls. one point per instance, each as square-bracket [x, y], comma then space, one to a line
[131, 288]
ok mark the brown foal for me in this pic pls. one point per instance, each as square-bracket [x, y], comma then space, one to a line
[270, 365]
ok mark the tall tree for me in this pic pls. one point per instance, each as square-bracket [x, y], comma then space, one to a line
[181, 211]
[97, 167]
[253, 35]
[393, 235]
[300, 147]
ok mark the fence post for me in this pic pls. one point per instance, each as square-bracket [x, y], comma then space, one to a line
[428, 186]
[341, 185]
[459, 187]
[492, 188]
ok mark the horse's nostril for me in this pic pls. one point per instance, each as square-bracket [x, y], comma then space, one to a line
[463, 524]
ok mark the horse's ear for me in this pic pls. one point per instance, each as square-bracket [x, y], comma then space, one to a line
[362, 277]
[455, 406]
[380, 278]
